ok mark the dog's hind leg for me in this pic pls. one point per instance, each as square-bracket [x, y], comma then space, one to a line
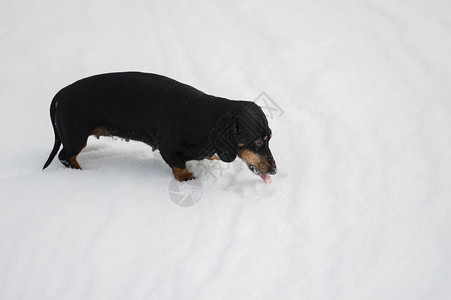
[68, 155]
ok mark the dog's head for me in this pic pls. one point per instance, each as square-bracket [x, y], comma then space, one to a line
[245, 133]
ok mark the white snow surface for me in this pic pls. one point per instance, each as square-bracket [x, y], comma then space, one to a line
[360, 207]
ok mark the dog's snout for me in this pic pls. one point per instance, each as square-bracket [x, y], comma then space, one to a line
[273, 169]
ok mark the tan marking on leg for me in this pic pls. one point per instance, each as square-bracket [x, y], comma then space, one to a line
[100, 131]
[182, 174]
[214, 157]
[74, 163]
[73, 159]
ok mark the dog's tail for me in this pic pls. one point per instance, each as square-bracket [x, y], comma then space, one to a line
[57, 144]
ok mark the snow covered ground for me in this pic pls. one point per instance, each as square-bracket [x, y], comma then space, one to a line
[360, 208]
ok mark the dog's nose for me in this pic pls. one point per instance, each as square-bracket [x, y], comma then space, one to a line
[273, 169]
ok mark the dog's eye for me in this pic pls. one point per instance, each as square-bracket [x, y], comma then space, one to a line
[259, 142]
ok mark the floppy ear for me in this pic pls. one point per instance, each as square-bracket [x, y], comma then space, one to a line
[225, 138]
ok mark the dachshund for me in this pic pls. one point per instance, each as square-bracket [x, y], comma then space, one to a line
[180, 121]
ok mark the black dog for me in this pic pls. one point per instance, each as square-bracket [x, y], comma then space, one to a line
[179, 120]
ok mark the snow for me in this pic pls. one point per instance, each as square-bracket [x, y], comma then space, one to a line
[360, 207]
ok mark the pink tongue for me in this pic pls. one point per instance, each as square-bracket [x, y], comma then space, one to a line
[265, 178]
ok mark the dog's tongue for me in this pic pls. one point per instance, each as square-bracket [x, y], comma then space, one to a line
[266, 178]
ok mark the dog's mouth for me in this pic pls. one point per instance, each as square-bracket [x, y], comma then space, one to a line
[265, 177]
[260, 164]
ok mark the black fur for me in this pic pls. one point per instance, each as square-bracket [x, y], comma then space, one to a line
[179, 120]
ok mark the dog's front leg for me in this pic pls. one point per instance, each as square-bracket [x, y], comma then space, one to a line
[178, 165]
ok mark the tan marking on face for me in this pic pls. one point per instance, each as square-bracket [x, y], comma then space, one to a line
[251, 158]
[56, 104]
[100, 131]
[240, 144]
[182, 174]
[265, 138]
